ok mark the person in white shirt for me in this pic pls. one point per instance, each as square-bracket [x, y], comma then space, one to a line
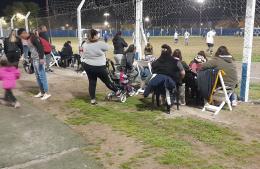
[186, 38]
[210, 40]
[176, 37]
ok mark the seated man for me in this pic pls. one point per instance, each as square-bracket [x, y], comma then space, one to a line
[224, 61]
[66, 54]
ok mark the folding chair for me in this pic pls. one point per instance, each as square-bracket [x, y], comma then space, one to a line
[55, 59]
[221, 95]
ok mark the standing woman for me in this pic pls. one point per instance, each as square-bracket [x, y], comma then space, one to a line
[94, 63]
[119, 47]
[13, 49]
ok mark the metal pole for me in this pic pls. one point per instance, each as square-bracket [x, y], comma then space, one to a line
[12, 22]
[79, 22]
[49, 23]
[247, 53]
[1, 28]
[137, 28]
[26, 21]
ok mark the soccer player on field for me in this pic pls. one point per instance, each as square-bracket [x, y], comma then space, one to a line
[176, 37]
[210, 40]
[186, 38]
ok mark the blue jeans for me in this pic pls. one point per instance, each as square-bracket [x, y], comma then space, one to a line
[41, 77]
[26, 51]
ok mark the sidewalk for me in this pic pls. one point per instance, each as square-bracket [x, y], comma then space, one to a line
[30, 139]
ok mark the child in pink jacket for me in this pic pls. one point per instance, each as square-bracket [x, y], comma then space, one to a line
[8, 75]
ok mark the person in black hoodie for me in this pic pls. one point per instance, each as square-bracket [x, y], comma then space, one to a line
[66, 53]
[168, 65]
[119, 47]
[13, 49]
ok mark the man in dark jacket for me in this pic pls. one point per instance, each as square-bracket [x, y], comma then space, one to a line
[66, 54]
[37, 56]
[119, 47]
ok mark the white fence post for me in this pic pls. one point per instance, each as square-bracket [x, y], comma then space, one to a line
[247, 53]
[79, 21]
[137, 28]
[1, 28]
[26, 21]
[12, 22]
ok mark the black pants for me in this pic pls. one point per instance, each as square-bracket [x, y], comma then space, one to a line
[9, 97]
[95, 72]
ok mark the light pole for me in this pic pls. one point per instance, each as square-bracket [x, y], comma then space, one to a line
[147, 20]
[201, 3]
[106, 21]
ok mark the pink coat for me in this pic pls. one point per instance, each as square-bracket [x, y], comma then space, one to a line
[9, 75]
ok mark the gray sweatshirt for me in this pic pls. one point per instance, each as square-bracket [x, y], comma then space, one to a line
[94, 53]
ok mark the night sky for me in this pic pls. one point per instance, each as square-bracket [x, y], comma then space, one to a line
[4, 3]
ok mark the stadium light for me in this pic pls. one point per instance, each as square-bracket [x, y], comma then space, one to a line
[106, 14]
[147, 19]
[106, 23]
[20, 16]
[201, 1]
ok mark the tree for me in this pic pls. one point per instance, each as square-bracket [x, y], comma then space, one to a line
[23, 8]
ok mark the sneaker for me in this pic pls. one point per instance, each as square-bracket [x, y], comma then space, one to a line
[17, 105]
[93, 102]
[39, 95]
[234, 103]
[45, 96]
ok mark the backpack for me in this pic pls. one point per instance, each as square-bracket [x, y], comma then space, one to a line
[46, 46]
[28, 66]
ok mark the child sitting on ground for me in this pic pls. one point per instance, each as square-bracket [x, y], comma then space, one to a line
[8, 75]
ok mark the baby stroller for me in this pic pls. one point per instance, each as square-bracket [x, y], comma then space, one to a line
[118, 74]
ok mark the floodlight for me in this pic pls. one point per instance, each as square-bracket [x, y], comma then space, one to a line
[106, 14]
[106, 23]
[201, 1]
[20, 16]
[147, 19]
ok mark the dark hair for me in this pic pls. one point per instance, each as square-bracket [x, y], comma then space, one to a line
[92, 34]
[119, 33]
[202, 53]
[177, 54]
[222, 50]
[20, 31]
[166, 51]
[130, 49]
[69, 42]
[4, 62]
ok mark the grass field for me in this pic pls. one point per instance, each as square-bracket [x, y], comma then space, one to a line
[181, 141]
[234, 44]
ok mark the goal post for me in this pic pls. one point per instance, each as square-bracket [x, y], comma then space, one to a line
[247, 52]
[26, 21]
[1, 28]
[12, 21]
[79, 22]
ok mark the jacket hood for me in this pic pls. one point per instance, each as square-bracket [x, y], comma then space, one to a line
[226, 58]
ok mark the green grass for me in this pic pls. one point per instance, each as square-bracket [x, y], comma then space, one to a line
[234, 44]
[255, 91]
[169, 135]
